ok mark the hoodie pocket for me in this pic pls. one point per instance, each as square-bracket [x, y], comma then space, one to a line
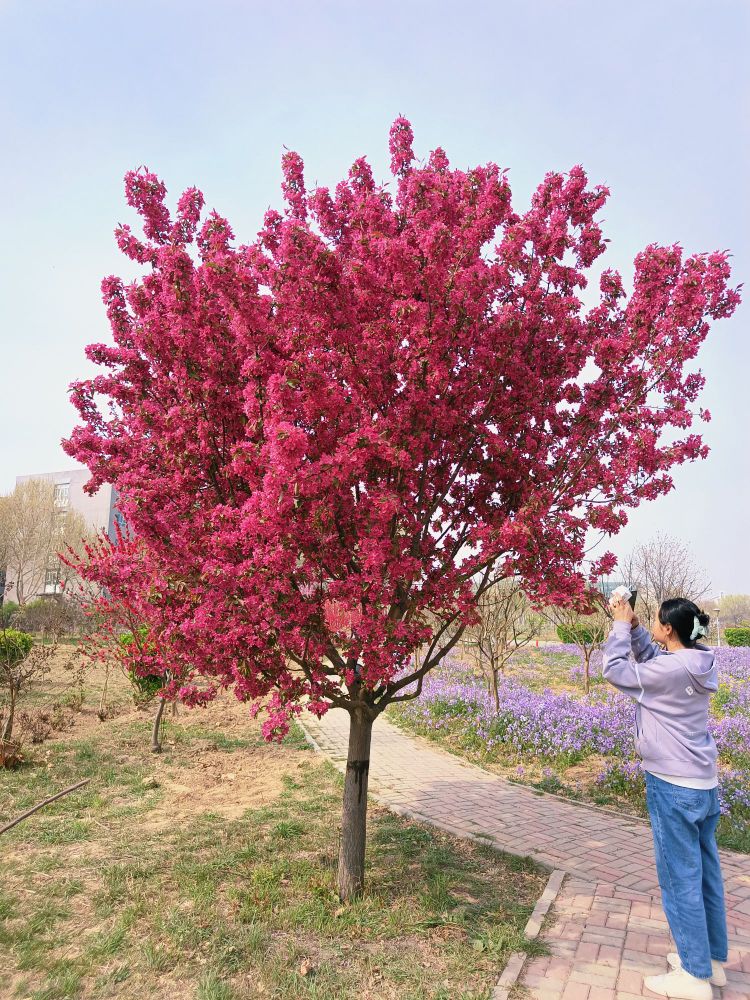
[647, 738]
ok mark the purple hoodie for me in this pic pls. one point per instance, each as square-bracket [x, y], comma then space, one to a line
[672, 692]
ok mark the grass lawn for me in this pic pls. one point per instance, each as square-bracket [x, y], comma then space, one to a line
[208, 872]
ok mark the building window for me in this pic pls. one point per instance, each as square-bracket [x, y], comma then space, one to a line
[62, 494]
[52, 581]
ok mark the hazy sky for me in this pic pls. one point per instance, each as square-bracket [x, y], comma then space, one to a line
[651, 97]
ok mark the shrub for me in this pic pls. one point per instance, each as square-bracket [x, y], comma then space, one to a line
[11, 754]
[580, 634]
[8, 610]
[50, 614]
[14, 646]
[737, 636]
[146, 685]
[21, 664]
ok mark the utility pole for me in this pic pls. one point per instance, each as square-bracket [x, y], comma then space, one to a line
[717, 612]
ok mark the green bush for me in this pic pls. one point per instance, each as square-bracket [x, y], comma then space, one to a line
[7, 612]
[453, 708]
[579, 634]
[14, 646]
[737, 636]
[50, 614]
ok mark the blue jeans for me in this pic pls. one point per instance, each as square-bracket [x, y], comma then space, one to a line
[684, 822]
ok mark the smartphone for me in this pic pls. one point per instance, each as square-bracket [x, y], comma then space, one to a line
[631, 599]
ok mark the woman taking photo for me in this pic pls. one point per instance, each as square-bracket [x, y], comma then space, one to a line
[671, 680]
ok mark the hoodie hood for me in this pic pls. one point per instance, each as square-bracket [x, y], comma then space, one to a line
[699, 663]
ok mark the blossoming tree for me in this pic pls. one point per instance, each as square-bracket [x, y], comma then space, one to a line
[330, 440]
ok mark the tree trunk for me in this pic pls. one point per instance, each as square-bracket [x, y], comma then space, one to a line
[351, 874]
[103, 699]
[495, 693]
[586, 675]
[155, 741]
[8, 727]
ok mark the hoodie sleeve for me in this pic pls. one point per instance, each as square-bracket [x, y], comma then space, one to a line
[645, 680]
[617, 667]
[642, 645]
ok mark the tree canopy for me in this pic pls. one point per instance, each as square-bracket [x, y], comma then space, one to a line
[330, 441]
[382, 397]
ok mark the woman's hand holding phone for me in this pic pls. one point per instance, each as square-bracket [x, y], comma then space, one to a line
[622, 612]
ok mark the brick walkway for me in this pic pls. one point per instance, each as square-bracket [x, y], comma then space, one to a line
[606, 930]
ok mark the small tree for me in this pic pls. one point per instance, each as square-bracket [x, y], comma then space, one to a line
[137, 653]
[122, 631]
[33, 533]
[660, 568]
[21, 664]
[734, 609]
[506, 624]
[383, 400]
[586, 631]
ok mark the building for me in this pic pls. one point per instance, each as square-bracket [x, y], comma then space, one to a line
[99, 512]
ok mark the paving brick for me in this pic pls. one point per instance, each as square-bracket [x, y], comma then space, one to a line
[609, 956]
[537, 966]
[629, 981]
[658, 946]
[571, 932]
[576, 991]
[587, 951]
[558, 969]
[593, 976]
[613, 937]
[636, 941]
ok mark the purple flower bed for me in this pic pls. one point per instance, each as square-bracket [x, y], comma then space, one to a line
[734, 663]
[546, 723]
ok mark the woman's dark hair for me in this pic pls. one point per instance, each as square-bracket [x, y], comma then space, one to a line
[681, 614]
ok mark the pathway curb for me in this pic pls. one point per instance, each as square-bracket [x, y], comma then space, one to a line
[517, 960]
